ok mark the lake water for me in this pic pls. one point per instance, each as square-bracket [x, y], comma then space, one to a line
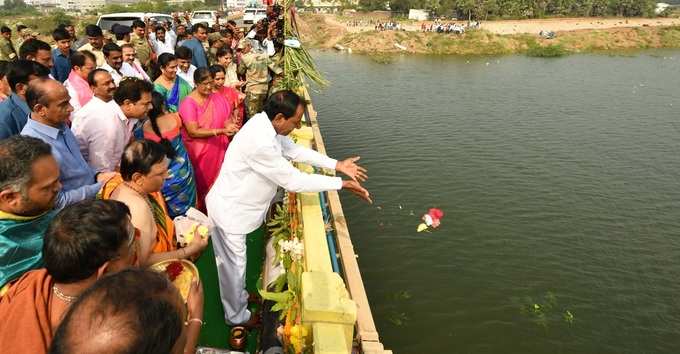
[560, 183]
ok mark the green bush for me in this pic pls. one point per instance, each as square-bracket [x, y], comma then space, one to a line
[548, 51]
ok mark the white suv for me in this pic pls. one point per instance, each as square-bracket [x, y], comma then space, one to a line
[253, 14]
[205, 16]
[105, 22]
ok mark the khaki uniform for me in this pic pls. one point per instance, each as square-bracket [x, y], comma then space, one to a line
[98, 54]
[142, 47]
[277, 69]
[7, 51]
[255, 67]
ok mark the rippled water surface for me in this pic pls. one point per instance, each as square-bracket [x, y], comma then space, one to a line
[559, 180]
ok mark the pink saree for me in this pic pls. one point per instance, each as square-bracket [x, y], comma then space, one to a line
[206, 154]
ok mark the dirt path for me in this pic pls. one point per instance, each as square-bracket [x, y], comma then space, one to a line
[535, 26]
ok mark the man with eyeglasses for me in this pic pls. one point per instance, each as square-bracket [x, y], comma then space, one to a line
[83, 243]
[104, 126]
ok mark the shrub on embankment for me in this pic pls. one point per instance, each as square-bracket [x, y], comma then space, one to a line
[485, 43]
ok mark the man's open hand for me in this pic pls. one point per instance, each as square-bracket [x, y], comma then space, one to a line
[358, 190]
[352, 170]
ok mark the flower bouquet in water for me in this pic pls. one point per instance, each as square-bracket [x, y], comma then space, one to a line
[431, 220]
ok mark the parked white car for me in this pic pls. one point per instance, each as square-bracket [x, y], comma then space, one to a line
[206, 16]
[105, 22]
[253, 14]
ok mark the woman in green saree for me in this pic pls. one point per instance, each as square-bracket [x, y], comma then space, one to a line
[168, 84]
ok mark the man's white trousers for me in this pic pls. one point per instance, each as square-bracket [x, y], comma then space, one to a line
[230, 256]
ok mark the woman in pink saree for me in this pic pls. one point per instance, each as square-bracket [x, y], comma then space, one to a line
[206, 117]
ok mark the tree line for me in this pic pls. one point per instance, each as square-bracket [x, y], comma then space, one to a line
[493, 9]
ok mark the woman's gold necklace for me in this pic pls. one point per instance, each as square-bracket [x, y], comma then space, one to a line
[143, 195]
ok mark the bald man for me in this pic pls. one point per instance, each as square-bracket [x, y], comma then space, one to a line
[48, 101]
[133, 311]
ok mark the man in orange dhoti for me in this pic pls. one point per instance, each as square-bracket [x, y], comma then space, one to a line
[84, 242]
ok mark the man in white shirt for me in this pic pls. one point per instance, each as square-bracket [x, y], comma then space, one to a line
[82, 63]
[162, 40]
[131, 66]
[185, 69]
[114, 61]
[103, 127]
[255, 165]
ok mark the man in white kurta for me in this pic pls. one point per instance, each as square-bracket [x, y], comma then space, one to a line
[255, 165]
[101, 128]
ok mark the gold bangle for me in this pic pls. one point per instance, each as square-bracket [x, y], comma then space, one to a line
[186, 323]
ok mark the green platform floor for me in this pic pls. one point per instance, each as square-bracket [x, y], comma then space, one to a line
[215, 332]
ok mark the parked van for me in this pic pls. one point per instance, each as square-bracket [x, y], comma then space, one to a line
[207, 16]
[105, 22]
[254, 14]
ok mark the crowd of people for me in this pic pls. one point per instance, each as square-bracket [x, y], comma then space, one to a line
[104, 140]
[443, 27]
[389, 26]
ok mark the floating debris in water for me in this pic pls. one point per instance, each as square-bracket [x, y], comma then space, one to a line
[431, 220]
[401, 295]
[397, 318]
[545, 311]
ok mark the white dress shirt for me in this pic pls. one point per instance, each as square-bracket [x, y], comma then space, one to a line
[255, 165]
[134, 70]
[164, 47]
[102, 131]
[187, 76]
[115, 75]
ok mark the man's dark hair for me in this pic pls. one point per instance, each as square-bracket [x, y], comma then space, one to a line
[138, 23]
[21, 27]
[183, 53]
[131, 89]
[159, 29]
[18, 153]
[20, 71]
[4, 66]
[92, 74]
[284, 102]
[60, 34]
[138, 307]
[232, 22]
[79, 58]
[31, 47]
[139, 156]
[111, 47]
[224, 51]
[83, 237]
[5, 29]
[195, 27]
[37, 93]
[93, 31]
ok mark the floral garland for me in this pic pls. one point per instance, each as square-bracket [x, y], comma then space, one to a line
[286, 231]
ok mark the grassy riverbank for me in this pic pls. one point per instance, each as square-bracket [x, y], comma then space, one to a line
[319, 32]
